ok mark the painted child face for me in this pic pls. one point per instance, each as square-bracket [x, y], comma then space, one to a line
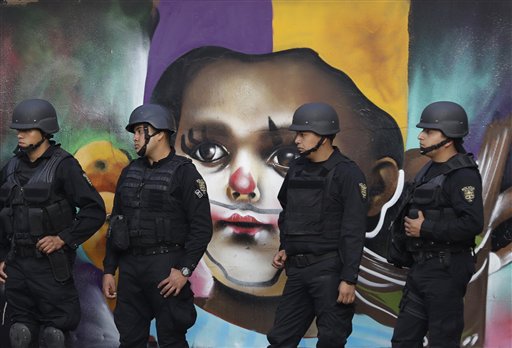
[233, 124]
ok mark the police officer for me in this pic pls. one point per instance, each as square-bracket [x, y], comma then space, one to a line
[48, 207]
[159, 230]
[322, 231]
[445, 215]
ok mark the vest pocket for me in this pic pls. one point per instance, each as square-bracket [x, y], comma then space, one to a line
[36, 221]
[304, 207]
[303, 224]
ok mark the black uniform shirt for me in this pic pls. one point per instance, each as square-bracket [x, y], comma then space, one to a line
[348, 187]
[73, 184]
[184, 188]
[463, 189]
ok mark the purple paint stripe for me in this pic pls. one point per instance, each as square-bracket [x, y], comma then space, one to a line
[244, 26]
[500, 107]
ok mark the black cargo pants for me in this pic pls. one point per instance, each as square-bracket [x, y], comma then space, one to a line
[433, 302]
[36, 299]
[139, 301]
[312, 291]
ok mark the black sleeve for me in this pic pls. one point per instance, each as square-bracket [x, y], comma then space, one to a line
[4, 242]
[463, 188]
[197, 209]
[353, 227]
[111, 260]
[82, 195]
[281, 221]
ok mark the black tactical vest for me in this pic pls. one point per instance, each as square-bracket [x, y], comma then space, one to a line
[312, 213]
[35, 209]
[429, 198]
[155, 216]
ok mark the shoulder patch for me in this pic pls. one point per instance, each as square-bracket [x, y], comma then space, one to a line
[87, 179]
[469, 193]
[364, 190]
[201, 188]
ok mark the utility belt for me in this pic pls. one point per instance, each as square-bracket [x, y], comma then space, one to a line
[419, 244]
[27, 251]
[304, 260]
[444, 256]
[154, 250]
[59, 261]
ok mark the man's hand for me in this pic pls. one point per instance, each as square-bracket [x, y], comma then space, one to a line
[49, 244]
[279, 259]
[109, 286]
[173, 284]
[346, 293]
[3, 275]
[413, 226]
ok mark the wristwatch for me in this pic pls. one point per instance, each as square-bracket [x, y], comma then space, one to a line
[186, 271]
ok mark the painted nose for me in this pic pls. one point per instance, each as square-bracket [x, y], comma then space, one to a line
[242, 186]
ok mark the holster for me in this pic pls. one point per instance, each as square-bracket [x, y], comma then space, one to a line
[60, 266]
[118, 232]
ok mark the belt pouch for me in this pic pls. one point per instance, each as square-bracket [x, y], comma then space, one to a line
[118, 232]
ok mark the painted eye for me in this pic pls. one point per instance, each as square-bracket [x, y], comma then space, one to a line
[208, 152]
[281, 158]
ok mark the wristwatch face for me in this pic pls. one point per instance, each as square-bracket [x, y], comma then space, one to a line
[186, 271]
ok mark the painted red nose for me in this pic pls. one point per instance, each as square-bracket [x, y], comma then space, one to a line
[242, 182]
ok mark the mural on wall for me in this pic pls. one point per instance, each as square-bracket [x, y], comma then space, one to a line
[233, 73]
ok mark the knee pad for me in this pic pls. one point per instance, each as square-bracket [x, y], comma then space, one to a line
[54, 338]
[20, 335]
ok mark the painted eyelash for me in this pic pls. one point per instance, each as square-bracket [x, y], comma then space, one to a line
[191, 139]
[277, 139]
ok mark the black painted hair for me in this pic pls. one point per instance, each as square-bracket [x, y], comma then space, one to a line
[385, 136]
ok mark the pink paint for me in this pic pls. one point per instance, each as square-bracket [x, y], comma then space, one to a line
[242, 181]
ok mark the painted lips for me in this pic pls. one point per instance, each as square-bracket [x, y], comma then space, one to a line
[243, 224]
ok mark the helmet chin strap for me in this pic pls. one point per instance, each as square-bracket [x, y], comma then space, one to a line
[314, 148]
[425, 150]
[147, 138]
[32, 147]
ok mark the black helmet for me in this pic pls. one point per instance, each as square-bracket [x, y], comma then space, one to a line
[35, 113]
[319, 118]
[156, 115]
[448, 117]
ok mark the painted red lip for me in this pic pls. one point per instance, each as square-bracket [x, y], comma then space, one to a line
[243, 224]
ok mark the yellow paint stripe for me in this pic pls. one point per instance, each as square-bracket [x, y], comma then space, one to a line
[368, 40]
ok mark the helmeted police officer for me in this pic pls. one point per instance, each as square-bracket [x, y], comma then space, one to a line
[159, 229]
[48, 207]
[322, 231]
[445, 215]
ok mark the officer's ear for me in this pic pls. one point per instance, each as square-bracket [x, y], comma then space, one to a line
[382, 182]
[161, 136]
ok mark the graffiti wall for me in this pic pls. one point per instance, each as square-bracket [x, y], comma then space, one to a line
[233, 73]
